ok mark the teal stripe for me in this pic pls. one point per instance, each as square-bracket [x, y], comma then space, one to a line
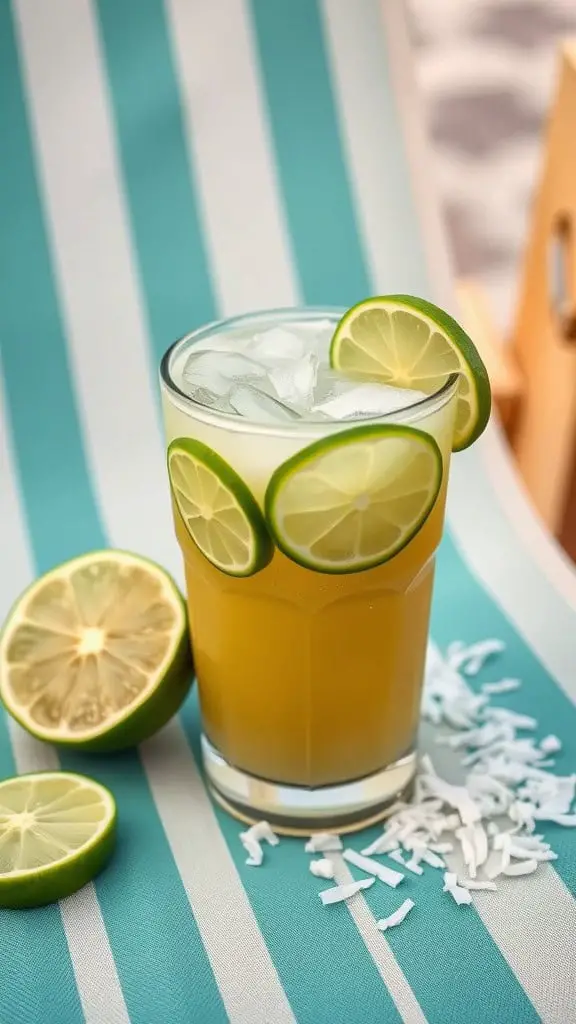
[326, 971]
[154, 938]
[464, 611]
[43, 412]
[146, 109]
[311, 165]
[34, 986]
[290, 39]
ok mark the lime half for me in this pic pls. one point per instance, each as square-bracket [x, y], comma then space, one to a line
[95, 654]
[409, 342]
[218, 509]
[354, 500]
[57, 831]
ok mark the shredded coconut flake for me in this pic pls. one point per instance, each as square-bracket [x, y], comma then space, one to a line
[432, 859]
[507, 717]
[339, 893]
[550, 744]
[397, 917]
[520, 867]
[478, 883]
[384, 844]
[458, 893]
[414, 866]
[471, 659]
[373, 867]
[456, 796]
[503, 686]
[323, 868]
[323, 842]
[253, 849]
[398, 856]
[263, 833]
[253, 837]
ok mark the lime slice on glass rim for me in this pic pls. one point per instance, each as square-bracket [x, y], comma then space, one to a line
[218, 509]
[57, 830]
[353, 500]
[409, 342]
[96, 653]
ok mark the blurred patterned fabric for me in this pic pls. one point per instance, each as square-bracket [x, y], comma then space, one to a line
[487, 71]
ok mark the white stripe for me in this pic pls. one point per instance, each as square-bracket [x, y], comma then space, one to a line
[371, 136]
[92, 257]
[532, 922]
[489, 542]
[379, 949]
[92, 961]
[226, 127]
[247, 979]
[16, 562]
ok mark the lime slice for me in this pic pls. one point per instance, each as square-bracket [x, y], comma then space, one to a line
[411, 343]
[57, 830]
[353, 500]
[218, 509]
[96, 654]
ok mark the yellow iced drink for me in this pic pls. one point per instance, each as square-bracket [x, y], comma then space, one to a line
[309, 659]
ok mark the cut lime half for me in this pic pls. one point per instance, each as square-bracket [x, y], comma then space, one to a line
[218, 509]
[57, 831]
[409, 342]
[353, 500]
[96, 654]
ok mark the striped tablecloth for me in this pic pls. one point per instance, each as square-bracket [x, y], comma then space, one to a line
[164, 164]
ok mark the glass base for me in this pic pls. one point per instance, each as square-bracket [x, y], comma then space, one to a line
[296, 810]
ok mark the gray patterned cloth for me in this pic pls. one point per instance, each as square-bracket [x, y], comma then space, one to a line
[487, 70]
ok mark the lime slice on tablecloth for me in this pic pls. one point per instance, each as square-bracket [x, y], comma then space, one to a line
[57, 830]
[409, 342]
[95, 654]
[218, 509]
[353, 500]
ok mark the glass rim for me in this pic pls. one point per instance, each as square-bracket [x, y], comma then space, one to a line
[281, 314]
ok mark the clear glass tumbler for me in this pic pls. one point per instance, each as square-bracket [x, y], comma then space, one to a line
[309, 683]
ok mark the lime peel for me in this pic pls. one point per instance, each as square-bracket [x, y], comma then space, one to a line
[410, 342]
[57, 831]
[96, 653]
[218, 509]
[353, 500]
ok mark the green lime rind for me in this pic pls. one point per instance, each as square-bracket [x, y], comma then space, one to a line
[139, 721]
[305, 459]
[262, 546]
[471, 365]
[41, 886]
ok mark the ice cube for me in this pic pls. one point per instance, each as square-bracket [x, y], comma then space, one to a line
[208, 376]
[368, 400]
[277, 344]
[229, 365]
[294, 382]
[329, 384]
[255, 404]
